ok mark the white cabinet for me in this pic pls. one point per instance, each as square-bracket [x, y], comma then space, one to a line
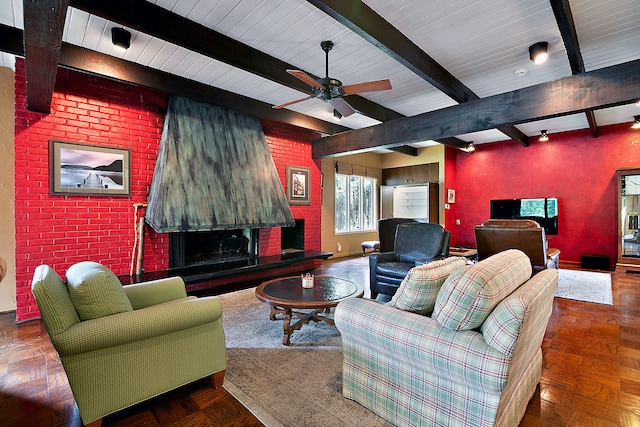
[411, 201]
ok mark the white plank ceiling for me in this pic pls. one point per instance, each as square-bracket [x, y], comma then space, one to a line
[481, 43]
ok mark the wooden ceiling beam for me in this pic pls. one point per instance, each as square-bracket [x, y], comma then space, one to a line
[593, 126]
[406, 149]
[365, 22]
[11, 40]
[564, 19]
[43, 23]
[95, 63]
[92, 62]
[173, 28]
[161, 23]
[602, 88]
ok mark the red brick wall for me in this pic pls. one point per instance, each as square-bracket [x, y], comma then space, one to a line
[60, 230]
[290, 147]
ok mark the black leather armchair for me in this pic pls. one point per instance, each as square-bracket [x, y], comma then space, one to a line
[387, 232]
[416, 243]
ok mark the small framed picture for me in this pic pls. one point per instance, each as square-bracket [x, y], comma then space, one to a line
[451, 196]
[298, 185]
[89, 169]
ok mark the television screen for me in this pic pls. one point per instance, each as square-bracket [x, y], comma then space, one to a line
[542, 210]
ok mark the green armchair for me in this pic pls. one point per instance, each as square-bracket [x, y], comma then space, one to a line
[121, 345]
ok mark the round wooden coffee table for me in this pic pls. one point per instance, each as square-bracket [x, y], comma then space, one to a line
[287, 295]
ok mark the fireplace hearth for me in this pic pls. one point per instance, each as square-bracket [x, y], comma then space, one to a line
[212, 247]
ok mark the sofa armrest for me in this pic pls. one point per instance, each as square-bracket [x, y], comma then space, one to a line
[155, 292]
[381, 257]
[446, 241]
[374, 259]
[137, 325]
[385, 333]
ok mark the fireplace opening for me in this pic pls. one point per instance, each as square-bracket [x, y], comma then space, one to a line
[292, 238]
[212, 247]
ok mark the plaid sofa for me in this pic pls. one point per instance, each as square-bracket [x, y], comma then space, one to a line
[475, 360]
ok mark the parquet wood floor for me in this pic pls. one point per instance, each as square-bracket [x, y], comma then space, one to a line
[590, 376]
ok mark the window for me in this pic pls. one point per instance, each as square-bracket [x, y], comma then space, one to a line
[355, 203]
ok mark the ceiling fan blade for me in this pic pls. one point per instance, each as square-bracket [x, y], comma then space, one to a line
[301, 75]
[342, 106]
[367, 87]
[293, 102]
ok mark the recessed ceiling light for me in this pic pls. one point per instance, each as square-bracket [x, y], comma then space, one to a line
[543, 136]
[538, 52]
[120, 38]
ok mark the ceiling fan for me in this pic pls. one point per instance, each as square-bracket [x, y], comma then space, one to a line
[331, 90]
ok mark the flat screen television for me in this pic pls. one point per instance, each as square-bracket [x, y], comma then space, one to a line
[542, 210]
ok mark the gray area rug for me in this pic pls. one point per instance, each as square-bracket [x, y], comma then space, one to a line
[299, 385]
[587, 286]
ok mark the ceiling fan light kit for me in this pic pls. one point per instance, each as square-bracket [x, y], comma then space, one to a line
[331, 90]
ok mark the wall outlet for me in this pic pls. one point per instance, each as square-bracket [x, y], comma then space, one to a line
[339, 247]
[457, 222]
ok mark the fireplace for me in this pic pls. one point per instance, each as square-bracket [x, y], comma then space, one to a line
[212, 247]
[292, 238]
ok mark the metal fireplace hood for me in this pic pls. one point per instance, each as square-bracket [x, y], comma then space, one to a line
[214, 171]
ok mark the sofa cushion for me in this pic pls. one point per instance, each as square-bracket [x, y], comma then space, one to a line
[95, 291]
[418, 291]
[468, 296]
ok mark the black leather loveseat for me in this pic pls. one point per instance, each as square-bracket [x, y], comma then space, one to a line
[416, 243]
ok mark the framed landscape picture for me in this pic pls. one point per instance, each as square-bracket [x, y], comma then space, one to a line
[298, 185]
[89, 169]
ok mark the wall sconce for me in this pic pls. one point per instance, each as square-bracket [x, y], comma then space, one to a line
[120, 38]
[636, 122]
[469, 148]
[538, 52]
[543, 136]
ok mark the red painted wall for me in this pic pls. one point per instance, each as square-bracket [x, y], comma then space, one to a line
[61, 230]
[573, 166]
[451, 182]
